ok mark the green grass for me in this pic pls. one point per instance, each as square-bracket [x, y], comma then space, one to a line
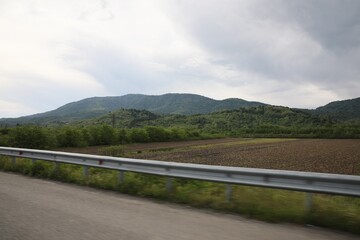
[337, 212]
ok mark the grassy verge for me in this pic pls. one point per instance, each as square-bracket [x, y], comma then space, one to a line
[342, 213]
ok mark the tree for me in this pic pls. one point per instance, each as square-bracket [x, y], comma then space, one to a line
[30, 137]
[138, 135]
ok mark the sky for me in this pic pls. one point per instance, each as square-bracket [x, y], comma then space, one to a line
[297, 53]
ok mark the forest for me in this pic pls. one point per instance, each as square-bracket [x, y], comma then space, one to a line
[124, 126]
[122, 120]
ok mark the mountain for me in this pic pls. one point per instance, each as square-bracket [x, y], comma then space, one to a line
[127, 118]
[341, 110]
[175, 103]
[226, 120]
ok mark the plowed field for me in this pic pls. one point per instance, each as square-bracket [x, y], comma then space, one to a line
[340, 156]
[328, 156]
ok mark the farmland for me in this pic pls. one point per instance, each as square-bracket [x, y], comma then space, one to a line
[340, 156]
[318, 155]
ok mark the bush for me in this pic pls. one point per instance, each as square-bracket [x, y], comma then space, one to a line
[138, 135]
[122, 136]
[31, 137]
[157, 134]
[71, 137]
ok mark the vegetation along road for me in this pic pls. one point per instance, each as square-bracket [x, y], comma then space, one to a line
[38, 209]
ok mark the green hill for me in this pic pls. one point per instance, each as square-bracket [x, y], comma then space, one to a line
[227, 120]
[123, 118]
[131, 125]
[264, 121]
[183, 104]
[341, 110]
[186, 104]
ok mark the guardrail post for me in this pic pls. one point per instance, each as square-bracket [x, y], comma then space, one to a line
[228, 192]
[13, 162]
[308, 202]
[121, 177]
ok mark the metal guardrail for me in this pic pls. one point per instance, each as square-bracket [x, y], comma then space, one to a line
[347, 185]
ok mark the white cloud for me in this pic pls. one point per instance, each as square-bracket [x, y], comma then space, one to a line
[277, 42]
[54, 52]
[34, 46]
[14, 109]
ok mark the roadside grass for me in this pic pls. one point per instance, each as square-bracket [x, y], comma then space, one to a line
[336, 212]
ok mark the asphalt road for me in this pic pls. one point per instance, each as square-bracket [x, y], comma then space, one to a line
[45, 210]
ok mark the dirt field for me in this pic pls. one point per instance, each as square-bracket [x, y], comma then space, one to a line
[328, 156]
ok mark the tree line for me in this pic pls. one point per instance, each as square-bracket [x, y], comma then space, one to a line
[70, 136]
[81, 136]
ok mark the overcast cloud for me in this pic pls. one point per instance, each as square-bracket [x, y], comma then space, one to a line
[294, 53]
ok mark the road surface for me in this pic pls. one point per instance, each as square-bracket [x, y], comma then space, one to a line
[44, 210]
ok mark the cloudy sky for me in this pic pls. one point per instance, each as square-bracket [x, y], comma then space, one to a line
[294, 53]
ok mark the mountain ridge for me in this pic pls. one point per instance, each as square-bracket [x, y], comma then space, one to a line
[170, 103]
[341, 110]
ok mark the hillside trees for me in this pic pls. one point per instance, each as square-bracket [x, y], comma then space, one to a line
[73, 136]
[141, 126]
[70, 137]
[31, 137]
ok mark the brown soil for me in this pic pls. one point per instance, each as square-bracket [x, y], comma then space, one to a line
[315, 155]
[328, 156]
[153, 146]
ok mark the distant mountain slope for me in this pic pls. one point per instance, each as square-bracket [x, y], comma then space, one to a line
[186, 104]
[227, 120]
[341, 110]
[125, 118]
